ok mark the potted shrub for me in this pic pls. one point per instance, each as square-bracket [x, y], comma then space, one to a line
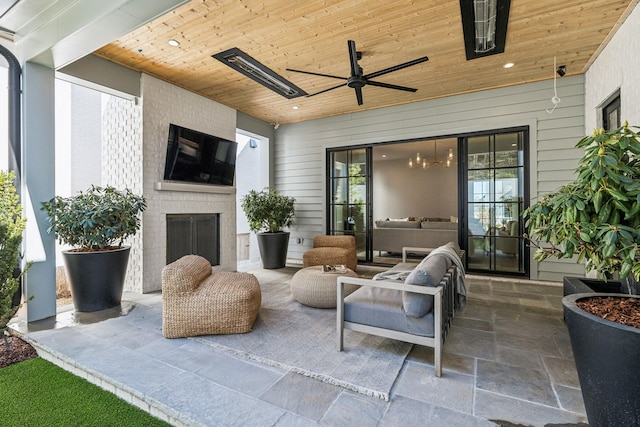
[268, 213]
[96, 222]
[11, 226]
[596, 218]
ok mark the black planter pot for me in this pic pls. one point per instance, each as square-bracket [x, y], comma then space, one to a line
[273, 248]
[96, 279]
[607, 356]
[581, 285]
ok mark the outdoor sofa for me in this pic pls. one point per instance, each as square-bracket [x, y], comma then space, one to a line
[410, 302]
[393, 235]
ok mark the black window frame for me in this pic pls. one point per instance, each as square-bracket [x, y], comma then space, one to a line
[611, 105]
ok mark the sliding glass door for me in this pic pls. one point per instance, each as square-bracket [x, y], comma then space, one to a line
[492, 189]
[349, 197]
[494, 194]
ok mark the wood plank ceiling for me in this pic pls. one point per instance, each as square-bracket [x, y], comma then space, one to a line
[312, 35]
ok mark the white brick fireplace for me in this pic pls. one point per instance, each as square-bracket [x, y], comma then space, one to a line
[163, 104]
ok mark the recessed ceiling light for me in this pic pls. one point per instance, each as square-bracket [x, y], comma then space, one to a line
[174, 43]
[295, 107]
[508, 65]
[384, 156]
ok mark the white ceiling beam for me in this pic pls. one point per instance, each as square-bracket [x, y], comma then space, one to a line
[57, 33]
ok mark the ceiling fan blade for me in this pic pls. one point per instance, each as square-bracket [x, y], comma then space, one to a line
[357, 80]
[326, 90]
[390, 86]
[359, 95]
[317, 74]
[353, 57]
[396, 67]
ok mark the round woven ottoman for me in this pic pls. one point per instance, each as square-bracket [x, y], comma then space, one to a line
[310, 286]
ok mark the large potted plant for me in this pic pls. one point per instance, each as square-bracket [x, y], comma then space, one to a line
[268, 213]
[96, 223]
[596, 218]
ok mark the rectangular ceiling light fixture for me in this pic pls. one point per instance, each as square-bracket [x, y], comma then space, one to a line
[484, 23]
[243, 63]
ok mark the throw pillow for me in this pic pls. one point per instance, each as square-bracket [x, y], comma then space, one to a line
[429, 272]
[417, 305]
[435, 267]
[417, 277]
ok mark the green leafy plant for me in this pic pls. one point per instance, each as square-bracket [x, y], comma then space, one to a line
[268, 210]
[596, 217]
[11, 226]
[97, 219]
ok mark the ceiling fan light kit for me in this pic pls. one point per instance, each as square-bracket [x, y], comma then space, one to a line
[357, 80]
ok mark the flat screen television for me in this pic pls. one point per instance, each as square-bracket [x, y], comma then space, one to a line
[197, 157]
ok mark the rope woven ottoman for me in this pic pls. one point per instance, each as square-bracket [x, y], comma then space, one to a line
[310, 286]
[197, 301]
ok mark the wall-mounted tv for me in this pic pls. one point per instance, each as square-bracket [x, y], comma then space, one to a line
[196, 157]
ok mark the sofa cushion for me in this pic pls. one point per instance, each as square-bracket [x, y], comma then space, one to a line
[398, 224]
[436, 265]
[418, 277]
[417, 305]
[429, 272]
[383, 308]
[439, 225]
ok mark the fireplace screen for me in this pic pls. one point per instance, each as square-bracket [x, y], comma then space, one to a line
[197, 234]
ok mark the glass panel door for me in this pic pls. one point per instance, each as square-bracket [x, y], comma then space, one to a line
[495, 197]
[349, 197]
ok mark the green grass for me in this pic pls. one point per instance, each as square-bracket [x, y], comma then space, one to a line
[38, 393]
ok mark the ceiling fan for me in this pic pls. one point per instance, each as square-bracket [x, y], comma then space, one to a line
[357, 80]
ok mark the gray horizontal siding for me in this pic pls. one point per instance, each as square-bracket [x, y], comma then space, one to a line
[572, 155]
[299, 158]
[556, 269]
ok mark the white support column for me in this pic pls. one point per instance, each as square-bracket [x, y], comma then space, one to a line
[38, 182]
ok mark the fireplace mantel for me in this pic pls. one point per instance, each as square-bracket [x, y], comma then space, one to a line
[194, 188]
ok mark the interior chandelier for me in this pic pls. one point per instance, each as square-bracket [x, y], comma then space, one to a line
[421, 161]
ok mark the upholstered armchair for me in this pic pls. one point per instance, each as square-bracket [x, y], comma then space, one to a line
[332, 250]
[506, 240]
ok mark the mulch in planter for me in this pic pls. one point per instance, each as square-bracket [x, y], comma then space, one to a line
[625, 311]
[19, 350]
